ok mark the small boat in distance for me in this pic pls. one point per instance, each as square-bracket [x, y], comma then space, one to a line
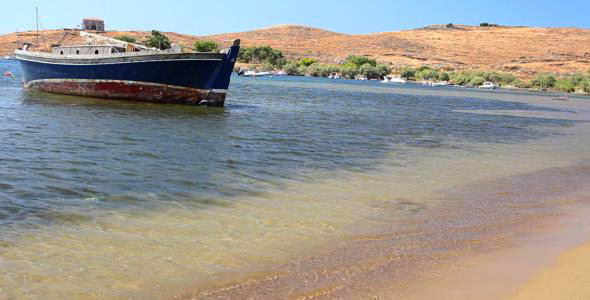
[361, 77]
[388, 79]
[109, 68]
[488, 85]
[253, 73]
[439, 83]
[334, 75]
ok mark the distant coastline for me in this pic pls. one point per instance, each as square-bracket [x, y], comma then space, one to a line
[554, 59]
[497, 48]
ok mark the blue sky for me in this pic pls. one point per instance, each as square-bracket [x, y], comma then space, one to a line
[201, 17]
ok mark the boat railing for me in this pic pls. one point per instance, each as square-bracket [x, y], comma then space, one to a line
[200, 55]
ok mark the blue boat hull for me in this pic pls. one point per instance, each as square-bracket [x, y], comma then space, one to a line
[169, 78]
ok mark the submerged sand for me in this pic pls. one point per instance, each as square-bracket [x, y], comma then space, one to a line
[493, 239]
[473, 251]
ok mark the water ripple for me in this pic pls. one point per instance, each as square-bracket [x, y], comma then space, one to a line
[58, 150]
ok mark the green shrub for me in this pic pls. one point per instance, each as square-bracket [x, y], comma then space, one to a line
[322, 70]
[262, 54]
[302, 70]
[484, 24]
[266, 66]
[466, 77]
[368, 70]
[576, 79]
[157, 40]
[423, 68]
[476, 81]
[245, 55]
[205, 46]
[507, 79]
[280, 62]
[585, 85]
[382, 70]
[565, 85]
[543, 81]
[291, 69]
[306, 61]
[444, 76]
[427, 74]
[315, 70]
[459, 78]
[358, 61]
[407, 73]
[126, 38]
[349, 71]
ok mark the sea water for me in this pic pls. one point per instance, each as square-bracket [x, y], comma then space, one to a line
[103, 199]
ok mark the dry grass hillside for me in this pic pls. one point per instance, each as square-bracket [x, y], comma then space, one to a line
[519, 50]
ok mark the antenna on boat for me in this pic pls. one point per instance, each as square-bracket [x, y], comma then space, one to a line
[40, 24]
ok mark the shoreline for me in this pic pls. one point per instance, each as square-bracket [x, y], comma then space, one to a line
[513, 89]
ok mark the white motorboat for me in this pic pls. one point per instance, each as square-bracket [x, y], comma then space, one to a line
[488, 85]
[280, 73]
[360, 77]
[252, 73]
[439, 83]
[388, 79]
[334, 75]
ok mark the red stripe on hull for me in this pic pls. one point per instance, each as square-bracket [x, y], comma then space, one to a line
[132, 91]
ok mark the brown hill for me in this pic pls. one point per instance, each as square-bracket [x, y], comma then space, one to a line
[520, 50]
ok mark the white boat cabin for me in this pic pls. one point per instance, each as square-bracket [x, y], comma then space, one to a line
[87, 50]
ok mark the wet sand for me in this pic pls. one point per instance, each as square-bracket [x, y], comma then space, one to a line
[504, 272]
[568, 277]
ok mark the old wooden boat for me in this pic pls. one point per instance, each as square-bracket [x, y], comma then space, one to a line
[109, 68]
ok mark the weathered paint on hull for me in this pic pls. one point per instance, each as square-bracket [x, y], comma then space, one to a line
[129, 90]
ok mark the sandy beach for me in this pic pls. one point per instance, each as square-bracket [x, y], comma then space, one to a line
[549, 261]
[568, 277]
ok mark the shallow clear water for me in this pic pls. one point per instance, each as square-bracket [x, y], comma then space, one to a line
[96, 193]
[62, 150]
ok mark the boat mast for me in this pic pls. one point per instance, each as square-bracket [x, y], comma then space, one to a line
[37, 20]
